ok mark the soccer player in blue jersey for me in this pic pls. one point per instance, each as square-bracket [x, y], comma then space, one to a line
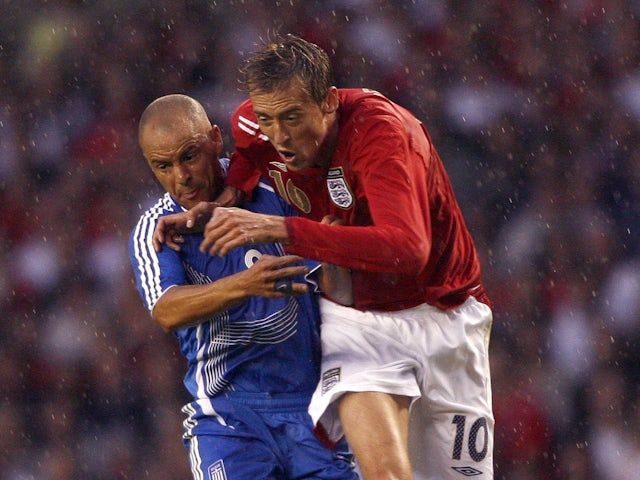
[252, 349]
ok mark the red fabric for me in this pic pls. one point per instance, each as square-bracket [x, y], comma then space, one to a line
[323, 436]
[411, 244]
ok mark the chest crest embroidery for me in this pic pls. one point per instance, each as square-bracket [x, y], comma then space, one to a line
[338, 188]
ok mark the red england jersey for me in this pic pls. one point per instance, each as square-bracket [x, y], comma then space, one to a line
[404, 238]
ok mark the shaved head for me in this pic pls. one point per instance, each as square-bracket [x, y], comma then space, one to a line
[173, 113]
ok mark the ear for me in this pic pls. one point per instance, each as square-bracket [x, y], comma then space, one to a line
[331, 101]
[216, 137]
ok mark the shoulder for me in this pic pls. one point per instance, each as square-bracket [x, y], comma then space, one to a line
[244, 112]
[366, 112]
[244, 109]
[165, 205]
[361, 98]
[365, 108]
[244, 124]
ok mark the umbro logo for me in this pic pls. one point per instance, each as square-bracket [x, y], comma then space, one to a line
[279, 165]
[467, 471]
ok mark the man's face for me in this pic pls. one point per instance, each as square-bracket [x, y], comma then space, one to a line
[299, 129]
[185, 161]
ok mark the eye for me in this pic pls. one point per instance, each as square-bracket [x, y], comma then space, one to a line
[293, 118]
[264, 121]
[190, 155]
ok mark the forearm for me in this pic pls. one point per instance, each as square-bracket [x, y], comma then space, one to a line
[376, 249]
[187, 305]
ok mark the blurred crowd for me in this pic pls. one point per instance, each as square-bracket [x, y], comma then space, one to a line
[534, 106]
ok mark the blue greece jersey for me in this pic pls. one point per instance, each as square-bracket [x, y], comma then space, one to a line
[251, 369]
[261, 346]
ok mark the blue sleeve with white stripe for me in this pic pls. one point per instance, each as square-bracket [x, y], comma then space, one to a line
[154, 272]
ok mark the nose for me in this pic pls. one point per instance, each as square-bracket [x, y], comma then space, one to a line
[182, 173]
[280, 133]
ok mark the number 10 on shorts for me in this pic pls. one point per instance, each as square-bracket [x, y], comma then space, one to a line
[478, 431]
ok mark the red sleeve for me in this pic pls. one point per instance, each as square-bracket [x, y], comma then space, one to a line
[244, 171]
[359, 248]
[388, 177]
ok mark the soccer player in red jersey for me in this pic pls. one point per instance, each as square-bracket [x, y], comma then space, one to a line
[405, 373]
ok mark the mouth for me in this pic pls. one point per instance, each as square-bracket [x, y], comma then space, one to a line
[287, 155]
[190, 195]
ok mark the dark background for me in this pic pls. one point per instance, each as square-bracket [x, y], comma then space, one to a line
[533, 105]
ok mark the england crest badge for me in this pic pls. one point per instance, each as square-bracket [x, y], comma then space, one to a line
[339, 189]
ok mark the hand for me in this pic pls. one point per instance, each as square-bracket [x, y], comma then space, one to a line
[170, 228]
[233, 227]
[188, 305]
[230, 197]
[332, 220]
[260, 279]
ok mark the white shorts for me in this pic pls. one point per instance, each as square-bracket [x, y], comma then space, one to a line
[438, 358]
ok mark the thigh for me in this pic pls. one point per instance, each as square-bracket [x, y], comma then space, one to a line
[451, 425]
[214, 457]
[445, 445]
[376, 425]
[361, 352]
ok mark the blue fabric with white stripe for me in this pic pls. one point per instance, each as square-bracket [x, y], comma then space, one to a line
[251, 370]
[259, 346]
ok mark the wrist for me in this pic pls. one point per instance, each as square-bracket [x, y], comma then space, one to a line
[282, 230]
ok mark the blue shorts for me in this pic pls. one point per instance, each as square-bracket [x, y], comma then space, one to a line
[253, 436]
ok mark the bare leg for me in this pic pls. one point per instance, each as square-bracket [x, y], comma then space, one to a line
[377, 428]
